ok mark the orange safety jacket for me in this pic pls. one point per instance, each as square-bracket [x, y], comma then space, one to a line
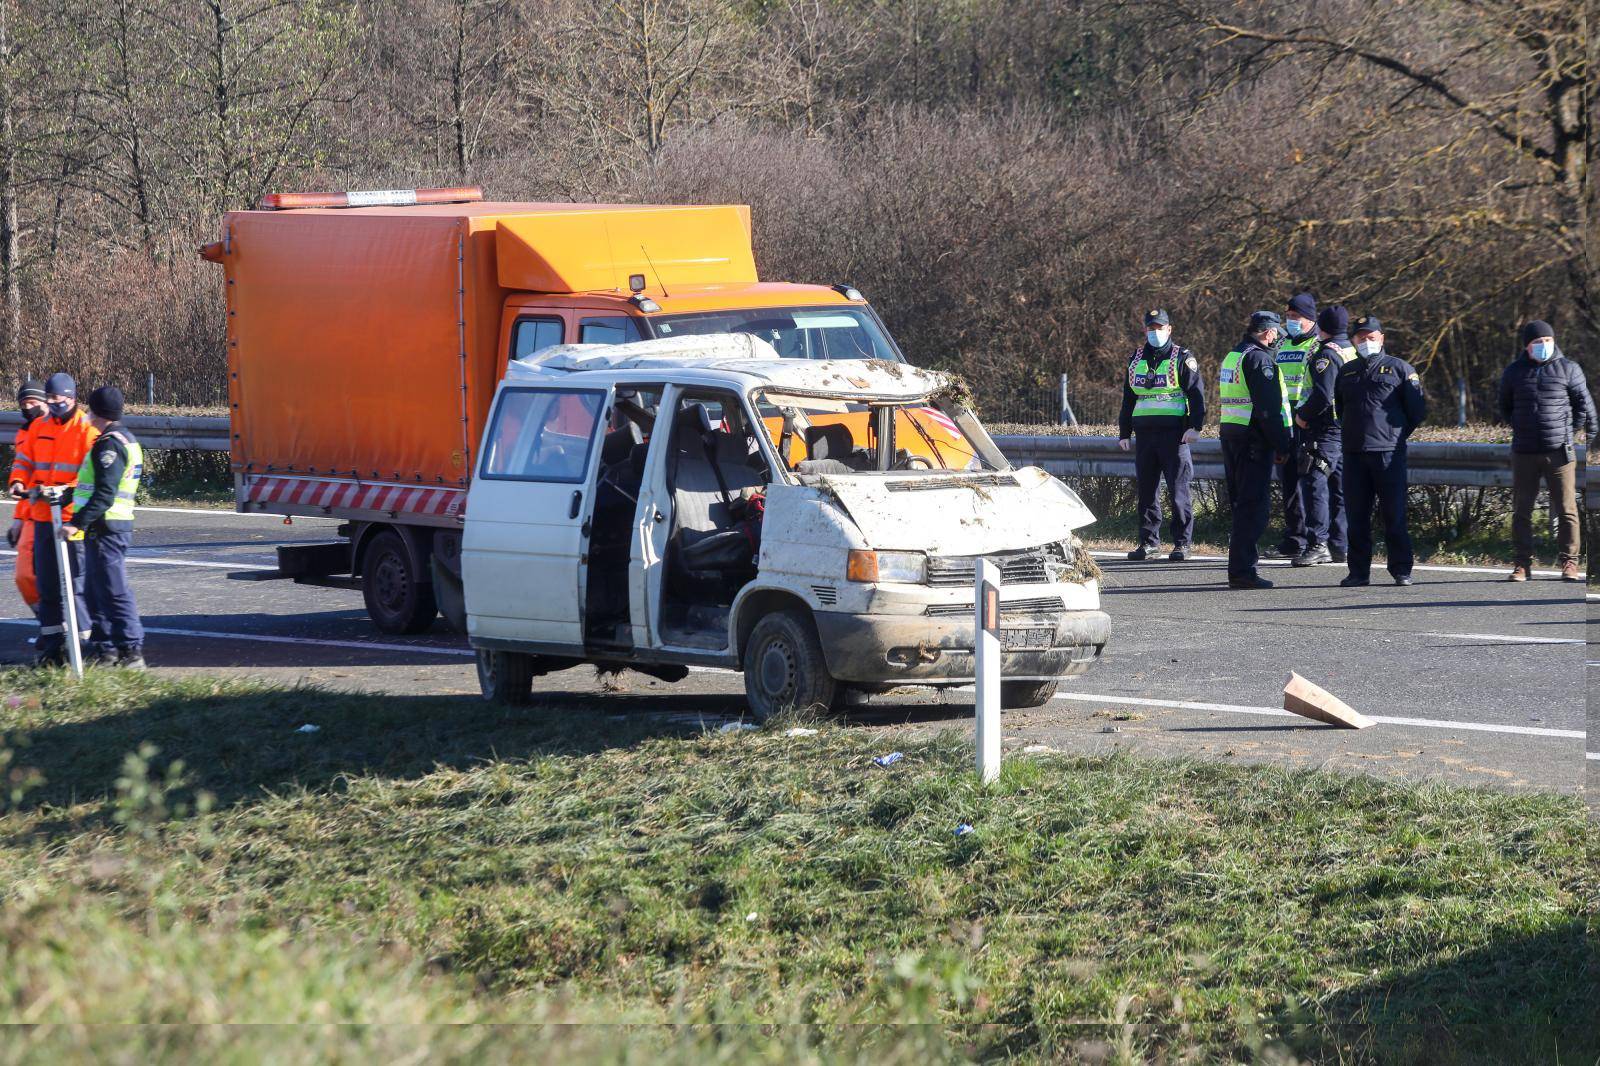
[49, 453]
[21, 510]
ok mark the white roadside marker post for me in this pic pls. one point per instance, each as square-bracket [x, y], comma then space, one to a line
[986, 654]
[69, 602]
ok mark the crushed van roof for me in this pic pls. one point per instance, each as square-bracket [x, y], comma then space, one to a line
[746, 360]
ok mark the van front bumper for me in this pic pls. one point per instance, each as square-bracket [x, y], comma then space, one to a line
[916, 649]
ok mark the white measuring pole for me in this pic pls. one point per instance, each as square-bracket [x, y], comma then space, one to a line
[69, 602]
[986, 656]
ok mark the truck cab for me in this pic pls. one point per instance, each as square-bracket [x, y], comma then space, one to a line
[702, 500]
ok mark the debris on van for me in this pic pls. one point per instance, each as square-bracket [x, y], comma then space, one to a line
[889, 759]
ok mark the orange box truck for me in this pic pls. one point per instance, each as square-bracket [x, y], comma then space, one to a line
[367, 333]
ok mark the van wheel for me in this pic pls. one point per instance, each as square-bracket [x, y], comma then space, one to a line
[505, 677]
[1019, 695]
[784, 669]
[396, 601]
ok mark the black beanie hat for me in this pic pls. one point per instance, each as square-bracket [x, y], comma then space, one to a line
[1265, 320]
[106, 402]
[1334, 320]
[32, 389]
[1534, 330]
[1305, 305]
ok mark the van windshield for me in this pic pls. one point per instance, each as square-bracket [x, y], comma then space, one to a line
[796, 332]
[826, 436]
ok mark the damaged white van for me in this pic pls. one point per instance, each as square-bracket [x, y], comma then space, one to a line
[815, 524]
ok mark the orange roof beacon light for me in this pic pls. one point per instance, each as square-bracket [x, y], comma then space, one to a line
[285, 201]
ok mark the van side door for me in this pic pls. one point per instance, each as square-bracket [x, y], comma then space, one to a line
[525, 545]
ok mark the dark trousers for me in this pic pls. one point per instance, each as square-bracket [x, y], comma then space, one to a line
[1528, 471]
[1247, 467]
[1377, 477]
[112, 611]
[1295, 536]
[52, 619]
[1324, 499]
[1161, 454]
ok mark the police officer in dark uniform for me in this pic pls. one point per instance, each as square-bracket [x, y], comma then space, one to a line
[1297, 347]
[103, 510]
[1321, 445]
[1380, 404]
[1163, 408]
[1255, 437]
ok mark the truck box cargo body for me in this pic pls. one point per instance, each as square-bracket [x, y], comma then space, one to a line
[365, 345]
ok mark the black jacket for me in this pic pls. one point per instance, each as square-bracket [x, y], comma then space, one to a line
[1188, 380]
[1380, 403]
[1319, 410]
[108, 458]
[1543, 402]
[1260, 369]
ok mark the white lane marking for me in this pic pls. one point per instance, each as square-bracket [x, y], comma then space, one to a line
[1502, 638]
[1336, 566]
[219, 512]
[1231, 708]
[265, 638]
[163, 560]
[1592, 755]
[1591, 596]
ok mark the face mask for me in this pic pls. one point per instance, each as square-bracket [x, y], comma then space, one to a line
[1294, 327]
[1542, 351]
[62, 410]
[1157, 337]
[29, 413]
[1369, 348]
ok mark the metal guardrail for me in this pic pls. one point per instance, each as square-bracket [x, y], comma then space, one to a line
[1428, 462]
[199, 432]
[1431, 462]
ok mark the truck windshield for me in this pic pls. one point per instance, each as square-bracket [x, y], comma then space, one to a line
[796, 332]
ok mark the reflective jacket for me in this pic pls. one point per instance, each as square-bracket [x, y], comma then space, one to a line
[1253, 400]
[1544, 403]
[108, 481]
[1317, 404]
[1161, 392]
[49, 455]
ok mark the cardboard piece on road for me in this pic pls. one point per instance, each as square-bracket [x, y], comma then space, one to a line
[1302, 697]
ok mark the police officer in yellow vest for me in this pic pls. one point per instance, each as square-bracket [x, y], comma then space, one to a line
[1255, 437]
[103, 510]
[1297, 348]
[1163, 408]
[1322, 445]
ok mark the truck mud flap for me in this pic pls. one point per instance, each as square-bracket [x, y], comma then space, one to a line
[449, 595]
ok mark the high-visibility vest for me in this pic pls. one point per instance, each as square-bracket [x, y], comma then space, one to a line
[121, 509]
[49, 455]
[1155, 389]
[1236, 404]
[1292, 358]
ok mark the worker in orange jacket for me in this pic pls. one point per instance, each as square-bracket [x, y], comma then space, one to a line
[30, 401]
[54, 447]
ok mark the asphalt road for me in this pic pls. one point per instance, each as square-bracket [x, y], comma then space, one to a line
[1473, 680]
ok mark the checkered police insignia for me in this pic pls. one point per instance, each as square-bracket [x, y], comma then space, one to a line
[107, 458]
[1320, 365]
[1413, 377]
[1269, 372]
[1192, 364]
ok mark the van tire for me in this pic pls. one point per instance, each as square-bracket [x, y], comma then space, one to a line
[397, 602]
[505, 677]
[784, 668]
[1020, 695]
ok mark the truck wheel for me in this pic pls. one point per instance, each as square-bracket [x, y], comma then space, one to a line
[1019, 695]
[784, 669]
[396, 601]
[505, 677]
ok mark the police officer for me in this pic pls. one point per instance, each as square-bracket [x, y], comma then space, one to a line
[49, 457]
[1380, 405]
[1321, 446]
[103, 511]
[1298, 346]
[1163, 408]
[1255, 436]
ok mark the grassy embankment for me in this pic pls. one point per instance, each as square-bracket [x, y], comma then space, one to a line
[434, 860]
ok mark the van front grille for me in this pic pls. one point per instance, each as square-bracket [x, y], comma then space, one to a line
[1044, 605]
[1016, 568]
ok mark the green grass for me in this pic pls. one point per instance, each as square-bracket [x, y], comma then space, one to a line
[432, 860]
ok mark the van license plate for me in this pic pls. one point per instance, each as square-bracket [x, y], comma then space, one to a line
[1020, 638]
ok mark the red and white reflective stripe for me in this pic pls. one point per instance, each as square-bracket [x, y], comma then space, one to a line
[353, 495]
[941, 418]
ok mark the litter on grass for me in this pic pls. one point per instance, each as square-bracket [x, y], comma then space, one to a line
[799, 731]
[736, 727]
[889, 759]
[963, 829]
[309, 728]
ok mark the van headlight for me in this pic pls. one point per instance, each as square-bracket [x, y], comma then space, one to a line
[907, 567]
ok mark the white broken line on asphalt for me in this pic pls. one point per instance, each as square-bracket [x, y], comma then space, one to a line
[1334, 566]
[163, 560]
[1503, 638]
[267, 638]
[1275, 712]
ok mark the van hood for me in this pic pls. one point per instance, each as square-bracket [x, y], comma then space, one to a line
[958, 514]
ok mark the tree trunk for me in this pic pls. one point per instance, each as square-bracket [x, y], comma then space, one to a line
[10, 244]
